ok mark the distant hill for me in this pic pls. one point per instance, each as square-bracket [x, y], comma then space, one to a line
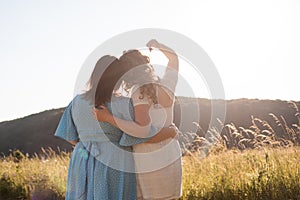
[31, 133]
[238, 111]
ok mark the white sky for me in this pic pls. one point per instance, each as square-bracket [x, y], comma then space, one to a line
[255, 45]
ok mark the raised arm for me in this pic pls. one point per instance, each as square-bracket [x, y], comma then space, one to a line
[170, 77]
[173, 62]
[139, 128]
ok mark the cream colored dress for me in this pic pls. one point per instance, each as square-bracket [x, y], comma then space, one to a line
[158, 165]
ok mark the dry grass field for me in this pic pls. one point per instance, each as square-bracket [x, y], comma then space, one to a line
[256, 162]
[229, 174]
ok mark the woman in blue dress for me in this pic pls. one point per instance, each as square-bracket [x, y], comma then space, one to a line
[99, 167]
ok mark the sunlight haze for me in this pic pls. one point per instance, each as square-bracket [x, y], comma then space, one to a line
[254, 45]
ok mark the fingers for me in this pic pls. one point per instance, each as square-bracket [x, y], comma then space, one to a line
[176, 131]
[166, 50]
[95, 110]
[99, 113]
[174, 126]
[101, 107]
[152, 43]
[95, 113]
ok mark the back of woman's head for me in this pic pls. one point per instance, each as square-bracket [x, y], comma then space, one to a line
[138, 71]
[134, 58]
[105, 77]
[137, 67]
[100, 66]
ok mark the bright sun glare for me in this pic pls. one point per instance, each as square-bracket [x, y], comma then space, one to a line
[191, 82]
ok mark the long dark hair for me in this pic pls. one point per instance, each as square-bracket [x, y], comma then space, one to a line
[104, 79]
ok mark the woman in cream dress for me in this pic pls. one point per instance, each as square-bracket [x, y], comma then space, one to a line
[158, 164]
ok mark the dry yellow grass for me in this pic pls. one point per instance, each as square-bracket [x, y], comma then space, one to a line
[34, 178]
[252, 174]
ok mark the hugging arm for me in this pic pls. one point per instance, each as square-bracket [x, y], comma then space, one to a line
[140, 127]
[142, 118]
[164, 133]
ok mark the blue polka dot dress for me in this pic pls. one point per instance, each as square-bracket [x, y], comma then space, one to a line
[100, 168]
